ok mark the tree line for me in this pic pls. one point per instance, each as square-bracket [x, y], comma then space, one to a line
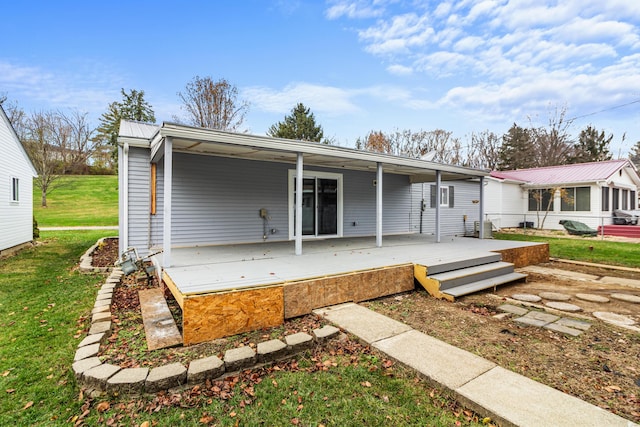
[64, 142]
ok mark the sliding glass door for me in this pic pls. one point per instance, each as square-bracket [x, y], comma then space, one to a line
[321, 205]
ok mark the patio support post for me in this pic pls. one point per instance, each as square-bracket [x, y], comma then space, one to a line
[438, 179]
[299, 178]
[379, 205]
[481, 213]
[166, 209]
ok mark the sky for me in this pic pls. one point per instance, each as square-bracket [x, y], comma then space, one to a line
[361, 65]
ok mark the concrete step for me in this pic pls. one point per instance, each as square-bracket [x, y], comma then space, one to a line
[159, 326]
[480, 285]
[450, 265]
[463, 276]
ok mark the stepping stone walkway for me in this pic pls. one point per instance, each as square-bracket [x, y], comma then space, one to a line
[526, 297]
[592, 298]
[544, 320]
[614, 318]
[555, 296]
[626, 297]
[563, 306]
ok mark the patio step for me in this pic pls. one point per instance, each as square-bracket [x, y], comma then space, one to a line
[481, 285]
[464, 263]
[464, 276]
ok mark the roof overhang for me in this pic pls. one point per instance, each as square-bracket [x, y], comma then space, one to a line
[211, 142]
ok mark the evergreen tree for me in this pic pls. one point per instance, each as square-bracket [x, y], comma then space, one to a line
[132, 107]
[300, 125]
[592, 146]
[517, 150]
[634, 154]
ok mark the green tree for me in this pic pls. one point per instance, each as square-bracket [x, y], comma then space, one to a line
[634, 154]
[300, 125]
[213, 104]
[133, 106]
[517, 150]
[592, 146]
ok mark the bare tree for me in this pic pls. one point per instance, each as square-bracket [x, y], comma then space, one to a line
[554, 145]
[483, 151]
[42, 145]
[80, 145]
[213, 104]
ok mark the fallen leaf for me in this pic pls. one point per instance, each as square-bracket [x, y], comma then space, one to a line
[365, 384]
[145, 424]
[28, 405]
[103, 406]
[232, 414]
[11, 390]
[612, 388]
[5, 373]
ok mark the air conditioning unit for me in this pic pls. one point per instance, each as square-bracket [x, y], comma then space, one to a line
[488, 234]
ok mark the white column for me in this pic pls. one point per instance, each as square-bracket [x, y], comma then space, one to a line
[438, 179]
[481, 226]
[379, 205]
[166, 209]
[299, 179]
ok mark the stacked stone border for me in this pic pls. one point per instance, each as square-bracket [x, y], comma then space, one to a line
[86, 260]
[100, 378]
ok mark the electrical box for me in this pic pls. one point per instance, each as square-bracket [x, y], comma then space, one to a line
[488, 234]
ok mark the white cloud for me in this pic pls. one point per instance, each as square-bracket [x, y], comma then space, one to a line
[399, 35]
[353, 10]
[326, 99]
[399, 70]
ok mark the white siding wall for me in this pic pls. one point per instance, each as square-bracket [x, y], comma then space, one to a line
[506, 203]
[16, 218]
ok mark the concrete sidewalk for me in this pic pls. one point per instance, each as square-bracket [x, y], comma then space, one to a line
[508, 398]
[80, 227]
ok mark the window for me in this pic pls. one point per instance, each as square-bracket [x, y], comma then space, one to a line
[615, 199]
[632, 201]
[446, 196]
[625, 199]
[15, 189]
[605, 199]
[540, 199]
[576, 199]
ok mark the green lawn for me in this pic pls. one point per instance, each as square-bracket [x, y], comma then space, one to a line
[45, 307]
[79, 200]
[589, 250]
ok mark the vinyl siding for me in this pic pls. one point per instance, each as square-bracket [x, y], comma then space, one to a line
[16, 218]
[139, 198]
[217, 201]
[452, 221]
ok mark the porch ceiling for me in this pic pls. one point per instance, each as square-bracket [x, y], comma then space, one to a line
[252, 147]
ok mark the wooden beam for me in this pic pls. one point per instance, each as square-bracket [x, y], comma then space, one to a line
[153, 188]
[174, 289]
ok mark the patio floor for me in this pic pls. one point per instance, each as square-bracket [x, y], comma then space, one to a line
[208, 269]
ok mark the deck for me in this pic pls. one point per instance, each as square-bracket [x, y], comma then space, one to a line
[224, 290]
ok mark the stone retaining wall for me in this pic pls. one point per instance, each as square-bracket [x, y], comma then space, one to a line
[100, 378]
[86, 260]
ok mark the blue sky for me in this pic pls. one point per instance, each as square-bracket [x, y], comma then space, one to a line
[462, 66]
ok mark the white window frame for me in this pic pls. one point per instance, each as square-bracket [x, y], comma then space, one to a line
[444, 196]
[313, 175]
[15, 189]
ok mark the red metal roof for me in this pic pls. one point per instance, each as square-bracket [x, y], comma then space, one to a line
[574, 173]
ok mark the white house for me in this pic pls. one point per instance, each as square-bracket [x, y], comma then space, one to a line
[16, 184]
[585, 192]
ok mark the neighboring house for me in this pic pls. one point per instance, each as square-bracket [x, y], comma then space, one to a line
[182, 186]
[16, 186]
[585, 192]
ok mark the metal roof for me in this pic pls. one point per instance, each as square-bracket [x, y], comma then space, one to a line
[202, 141]
[565, 174]
[131, 129]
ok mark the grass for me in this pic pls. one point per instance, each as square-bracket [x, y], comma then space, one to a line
[80, 200]
[589, 250]
[45, 307]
